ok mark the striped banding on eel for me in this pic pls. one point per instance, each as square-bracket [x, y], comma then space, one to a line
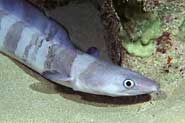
[44, 45]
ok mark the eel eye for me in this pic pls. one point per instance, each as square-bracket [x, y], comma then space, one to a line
[128, 83]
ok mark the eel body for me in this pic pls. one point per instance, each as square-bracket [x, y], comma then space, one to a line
[42, 44]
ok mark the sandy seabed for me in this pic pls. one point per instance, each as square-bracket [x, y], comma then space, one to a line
[27, 97]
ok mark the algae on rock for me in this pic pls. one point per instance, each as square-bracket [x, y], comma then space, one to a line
[181, 34]
[138, 29]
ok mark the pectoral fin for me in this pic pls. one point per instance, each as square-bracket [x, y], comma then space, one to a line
[93, 51]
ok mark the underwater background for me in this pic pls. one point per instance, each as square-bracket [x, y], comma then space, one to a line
[158, 54]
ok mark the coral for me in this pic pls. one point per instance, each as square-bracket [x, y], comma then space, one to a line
[139, 28]
[144, 45]
[128, 24]
[138, 49]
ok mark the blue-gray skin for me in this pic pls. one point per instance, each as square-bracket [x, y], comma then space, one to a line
[43, 45]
